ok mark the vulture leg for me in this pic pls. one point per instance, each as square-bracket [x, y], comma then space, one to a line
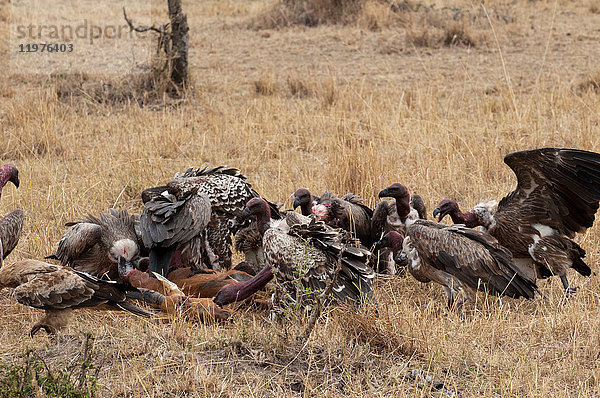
[238, 291]
[568, 290]
[160, 258]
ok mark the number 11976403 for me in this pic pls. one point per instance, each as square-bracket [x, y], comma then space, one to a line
[45, 47]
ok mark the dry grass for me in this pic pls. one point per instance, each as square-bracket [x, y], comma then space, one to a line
[341, 114]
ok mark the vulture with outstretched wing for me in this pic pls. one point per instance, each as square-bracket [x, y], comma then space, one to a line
[557, 196]
[303, 253]
[58, 290]
[394, 215]
[96, 244]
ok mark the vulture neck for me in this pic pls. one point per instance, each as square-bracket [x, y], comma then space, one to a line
[242, 290]
[306, 208]
[403, 207]
[263, 221]
[4, 177]
[469, 219]
[396, 245]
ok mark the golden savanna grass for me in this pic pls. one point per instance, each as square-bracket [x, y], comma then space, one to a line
[353, 106]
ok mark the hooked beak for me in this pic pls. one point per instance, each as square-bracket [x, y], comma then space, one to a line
[245, 212]
[377, 246]
[296, 202]
[124, 267]
[441, 213]
[402, 258]
[15, 180]
[384, 193]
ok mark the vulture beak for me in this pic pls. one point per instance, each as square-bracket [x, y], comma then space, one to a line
[377, 246]
[15, 180]
[245, 212]
[124, 267]
[142, 263]
[439, 211]
[384, 193]
[402, 259]
[296, 202]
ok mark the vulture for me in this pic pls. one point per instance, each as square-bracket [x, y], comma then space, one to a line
[58, 290]
[459, 259]
[393, 215]
[96, 244]
[11, 228]
[8, 173]
[304, 250]
[557, 196]
[195, 213]
[348, 212]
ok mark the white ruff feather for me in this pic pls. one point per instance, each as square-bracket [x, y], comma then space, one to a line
[125, 248]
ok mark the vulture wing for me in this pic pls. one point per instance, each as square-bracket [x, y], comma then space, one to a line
[167, 220]
[11, 228]
[78, 238]
[558, 188]
[417, 203]
[472, 256]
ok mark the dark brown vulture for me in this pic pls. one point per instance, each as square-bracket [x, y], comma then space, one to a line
[348, 212]
[96, 244]
[8, 173]
[393, 215]
[304, 250]
[58, 290]
[458, 258]
[11, 228]
[557, 196]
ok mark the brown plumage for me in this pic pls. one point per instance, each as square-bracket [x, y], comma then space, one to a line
[557, 196]
[11, 228]
[457, 257]
[57, 290]
[392, 215]
[95, 244]
[303, 256]
[197, 213]
[351, 214]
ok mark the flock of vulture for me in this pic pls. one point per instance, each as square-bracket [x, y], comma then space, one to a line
[178, 251]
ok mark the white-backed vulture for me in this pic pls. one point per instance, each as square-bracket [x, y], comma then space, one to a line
[304, 250]
[58, 290]
[557, 196]
[95, 244]
[196, 214]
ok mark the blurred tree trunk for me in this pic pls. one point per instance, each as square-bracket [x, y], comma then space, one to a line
[179, 48]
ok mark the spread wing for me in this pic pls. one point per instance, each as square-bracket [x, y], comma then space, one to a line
[559, 188]
[78, 238]
[11, 228]
[472, 256]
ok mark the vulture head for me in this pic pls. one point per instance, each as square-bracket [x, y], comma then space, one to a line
[402, 196]
[259, 209]
[303, 199]
[446, 207]
[393, 240]
[8, 173]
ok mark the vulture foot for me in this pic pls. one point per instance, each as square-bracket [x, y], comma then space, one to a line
[36, 328]
[569, 290]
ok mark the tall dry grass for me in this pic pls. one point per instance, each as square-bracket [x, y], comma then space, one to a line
[325, 108]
